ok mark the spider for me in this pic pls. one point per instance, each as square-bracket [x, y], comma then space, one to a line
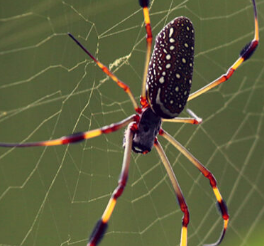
[166, 85]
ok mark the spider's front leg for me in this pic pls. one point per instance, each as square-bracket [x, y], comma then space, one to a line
[101, 225]
[208, 175]
[177, 190]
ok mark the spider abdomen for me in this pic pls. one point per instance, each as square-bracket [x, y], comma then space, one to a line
[171, 67]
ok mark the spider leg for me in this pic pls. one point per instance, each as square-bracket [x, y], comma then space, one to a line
[207, 174]
[194, 120]
[177, 190]
[101, 225]
[245, 54]
[110, 74]
[76, 137]
[145, 4]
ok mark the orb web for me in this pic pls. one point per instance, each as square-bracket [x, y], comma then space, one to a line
[50, 88]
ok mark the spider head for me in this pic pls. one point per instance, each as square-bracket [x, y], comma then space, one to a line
[147, 130]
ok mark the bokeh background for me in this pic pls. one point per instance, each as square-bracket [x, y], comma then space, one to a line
[50, 88]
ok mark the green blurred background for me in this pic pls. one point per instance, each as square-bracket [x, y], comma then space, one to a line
[50, 88]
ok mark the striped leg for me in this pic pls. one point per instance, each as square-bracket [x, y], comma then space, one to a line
[111, 75]
[245, 54]
[101, 225]
[177, 190]
[76, 137]
[207, 174]
[194, 120]
[145, 4]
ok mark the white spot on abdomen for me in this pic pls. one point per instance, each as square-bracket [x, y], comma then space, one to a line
[171, 31]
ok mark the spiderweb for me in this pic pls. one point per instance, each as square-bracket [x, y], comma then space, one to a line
[50, 88]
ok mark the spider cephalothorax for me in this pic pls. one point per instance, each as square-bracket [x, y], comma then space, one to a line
[146, 131]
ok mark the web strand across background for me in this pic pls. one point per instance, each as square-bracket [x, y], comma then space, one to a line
[49, 88]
